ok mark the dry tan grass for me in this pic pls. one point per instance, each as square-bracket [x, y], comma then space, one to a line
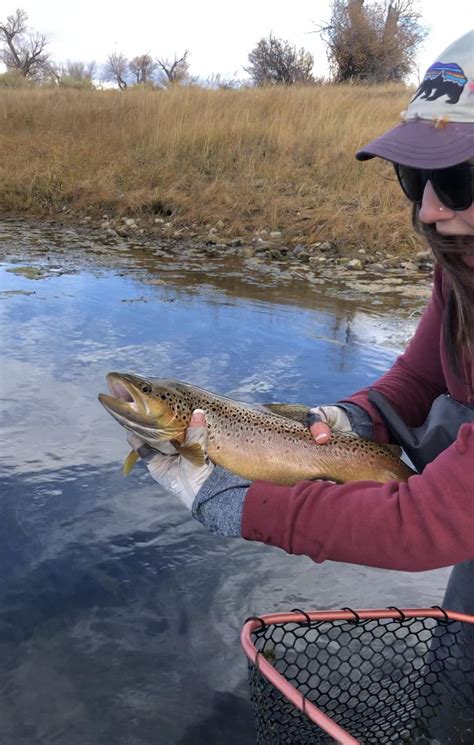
[280, 159]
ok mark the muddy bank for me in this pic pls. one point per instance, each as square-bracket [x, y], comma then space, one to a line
[65, 244]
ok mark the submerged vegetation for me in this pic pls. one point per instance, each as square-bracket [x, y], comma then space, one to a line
[278, 159]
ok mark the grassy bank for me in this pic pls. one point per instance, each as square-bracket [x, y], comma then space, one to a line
[274, 159]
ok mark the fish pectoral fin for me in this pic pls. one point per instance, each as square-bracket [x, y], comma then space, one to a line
[129, 462]
[297, 412]
[194, 453]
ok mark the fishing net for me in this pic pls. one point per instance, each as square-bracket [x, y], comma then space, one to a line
[367, 676]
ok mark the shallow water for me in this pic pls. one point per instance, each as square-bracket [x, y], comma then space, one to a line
[119, 615]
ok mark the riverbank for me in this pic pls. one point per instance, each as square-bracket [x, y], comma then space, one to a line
[51, 247]
[269, 169]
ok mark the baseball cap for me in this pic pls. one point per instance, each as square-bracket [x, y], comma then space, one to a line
[437, 129]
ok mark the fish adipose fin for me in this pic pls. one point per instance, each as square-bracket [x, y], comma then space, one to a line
[297, 412]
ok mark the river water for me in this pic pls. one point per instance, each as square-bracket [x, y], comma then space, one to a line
[119, 615]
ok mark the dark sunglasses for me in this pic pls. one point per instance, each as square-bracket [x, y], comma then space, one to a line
[453, 186]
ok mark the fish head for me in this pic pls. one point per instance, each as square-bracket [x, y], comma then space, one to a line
[149, 407]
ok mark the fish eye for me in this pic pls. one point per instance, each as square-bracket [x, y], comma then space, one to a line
[145, 388]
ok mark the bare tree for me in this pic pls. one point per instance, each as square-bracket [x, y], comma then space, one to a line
[176, 71]
[142, 68]
[116, 70]
[22, 50]
[81, 70]
[71, 75]
[274, 61]
[401, 36]
[374, 42]
[220, 82]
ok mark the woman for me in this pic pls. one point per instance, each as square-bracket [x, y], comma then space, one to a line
[425, 402]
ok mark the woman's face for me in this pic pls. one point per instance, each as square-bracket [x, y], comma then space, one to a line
[447, 221]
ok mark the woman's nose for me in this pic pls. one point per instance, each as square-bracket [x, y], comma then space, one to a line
[432, 210]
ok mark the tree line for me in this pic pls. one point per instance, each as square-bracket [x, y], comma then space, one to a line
[366, 41]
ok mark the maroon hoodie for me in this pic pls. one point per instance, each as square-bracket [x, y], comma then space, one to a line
[425, 523]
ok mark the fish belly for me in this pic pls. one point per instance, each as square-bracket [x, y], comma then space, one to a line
[280, 465]
[288, 464]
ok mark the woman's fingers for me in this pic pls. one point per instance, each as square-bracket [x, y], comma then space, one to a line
[321, 433]
[198, 419]
[196, 433]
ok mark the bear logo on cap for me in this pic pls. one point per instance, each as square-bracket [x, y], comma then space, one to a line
[442, 79]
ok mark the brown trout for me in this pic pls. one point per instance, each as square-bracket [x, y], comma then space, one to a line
[269, 444]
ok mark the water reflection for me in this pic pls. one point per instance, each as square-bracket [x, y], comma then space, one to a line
[61, 342]
[119, 616]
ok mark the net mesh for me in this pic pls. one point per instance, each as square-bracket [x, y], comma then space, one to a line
[382, 680]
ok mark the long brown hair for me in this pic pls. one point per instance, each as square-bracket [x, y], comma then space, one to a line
[458, 322]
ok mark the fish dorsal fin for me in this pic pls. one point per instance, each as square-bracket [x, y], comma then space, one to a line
[129, 462]
[194, 453]
[297, 412]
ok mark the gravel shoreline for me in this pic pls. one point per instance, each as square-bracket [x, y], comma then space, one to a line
[374, 273]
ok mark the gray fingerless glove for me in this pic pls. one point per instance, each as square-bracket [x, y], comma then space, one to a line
[361, 422]
[219, 503]
[341, 417]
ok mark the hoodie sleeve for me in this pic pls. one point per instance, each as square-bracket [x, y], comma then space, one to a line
[425, 523]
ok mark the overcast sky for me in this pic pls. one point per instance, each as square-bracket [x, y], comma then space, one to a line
[218, 35]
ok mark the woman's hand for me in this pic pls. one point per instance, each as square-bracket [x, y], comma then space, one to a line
[174, 472]
[322, 420]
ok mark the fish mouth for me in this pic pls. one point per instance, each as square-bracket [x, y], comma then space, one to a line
[127, 403]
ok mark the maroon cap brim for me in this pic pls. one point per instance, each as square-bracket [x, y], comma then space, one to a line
[421, 144]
